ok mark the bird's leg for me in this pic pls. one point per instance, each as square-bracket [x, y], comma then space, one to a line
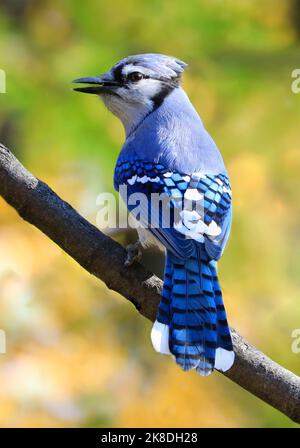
[134, 253]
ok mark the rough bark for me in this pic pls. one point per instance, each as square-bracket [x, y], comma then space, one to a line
[104, 258]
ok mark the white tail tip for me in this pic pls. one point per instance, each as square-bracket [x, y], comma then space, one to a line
[224, 359]
[160, 338]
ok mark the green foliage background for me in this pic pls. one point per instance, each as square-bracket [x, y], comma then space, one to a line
[79, 355]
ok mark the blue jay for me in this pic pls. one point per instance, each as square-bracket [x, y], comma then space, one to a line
[168, 151]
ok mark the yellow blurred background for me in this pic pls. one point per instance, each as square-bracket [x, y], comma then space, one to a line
[78, 354]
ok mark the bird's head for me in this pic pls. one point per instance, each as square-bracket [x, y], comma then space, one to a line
[135, 86]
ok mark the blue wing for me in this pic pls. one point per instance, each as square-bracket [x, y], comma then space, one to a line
[199, 206]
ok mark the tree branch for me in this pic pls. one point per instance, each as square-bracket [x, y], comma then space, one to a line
[101, 256]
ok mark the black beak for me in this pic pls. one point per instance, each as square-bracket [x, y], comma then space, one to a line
[100, 85]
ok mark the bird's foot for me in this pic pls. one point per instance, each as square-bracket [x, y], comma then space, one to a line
[134, 253]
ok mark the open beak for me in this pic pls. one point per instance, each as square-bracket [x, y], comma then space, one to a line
[100, 85]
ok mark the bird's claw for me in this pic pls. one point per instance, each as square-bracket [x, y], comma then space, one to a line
[134, 253]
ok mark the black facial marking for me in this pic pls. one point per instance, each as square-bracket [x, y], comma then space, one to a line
[118, 73]
[166, 89]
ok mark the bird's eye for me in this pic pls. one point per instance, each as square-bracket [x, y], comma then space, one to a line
[135, 76]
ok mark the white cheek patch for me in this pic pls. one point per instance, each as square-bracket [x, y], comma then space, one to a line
[148, 88]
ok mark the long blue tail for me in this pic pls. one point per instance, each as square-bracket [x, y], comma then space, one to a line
[191, 322]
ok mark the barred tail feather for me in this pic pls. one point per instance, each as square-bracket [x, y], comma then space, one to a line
[191, 317]
[224, 354]
[164, 310]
